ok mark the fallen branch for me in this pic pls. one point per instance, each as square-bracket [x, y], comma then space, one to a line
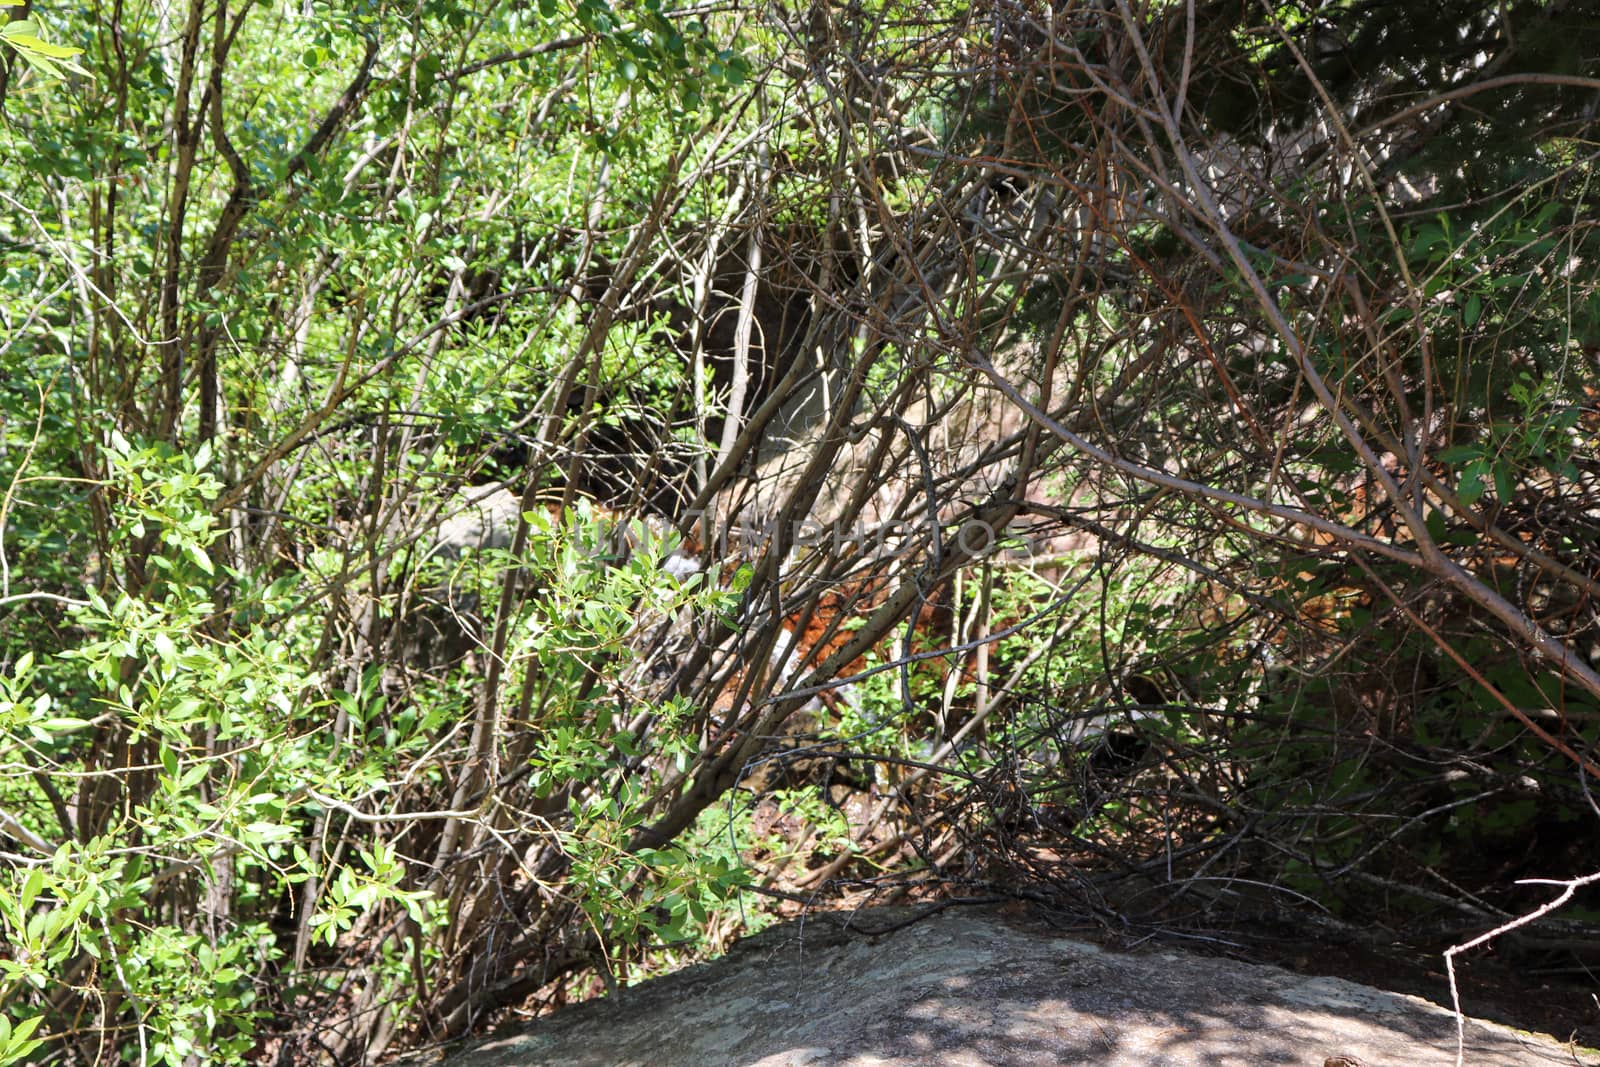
[1569, 887]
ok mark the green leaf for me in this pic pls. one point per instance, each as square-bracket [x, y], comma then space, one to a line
[200, 558]
[31, 886]
[28, 43]
[1471, 486]
[1427, 237]
[1504, 482]
[1436, 524]
[63, 725]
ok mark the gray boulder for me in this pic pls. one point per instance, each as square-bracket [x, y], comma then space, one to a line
[965, 988]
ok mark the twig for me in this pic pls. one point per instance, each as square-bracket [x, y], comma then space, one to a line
[1569, 887]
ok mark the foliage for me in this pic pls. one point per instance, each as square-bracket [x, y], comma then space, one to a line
[24, 37]
[1122, 453]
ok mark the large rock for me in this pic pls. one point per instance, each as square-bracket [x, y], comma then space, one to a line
[971, 988]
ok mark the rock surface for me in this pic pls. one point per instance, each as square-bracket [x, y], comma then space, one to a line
[964, 988]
